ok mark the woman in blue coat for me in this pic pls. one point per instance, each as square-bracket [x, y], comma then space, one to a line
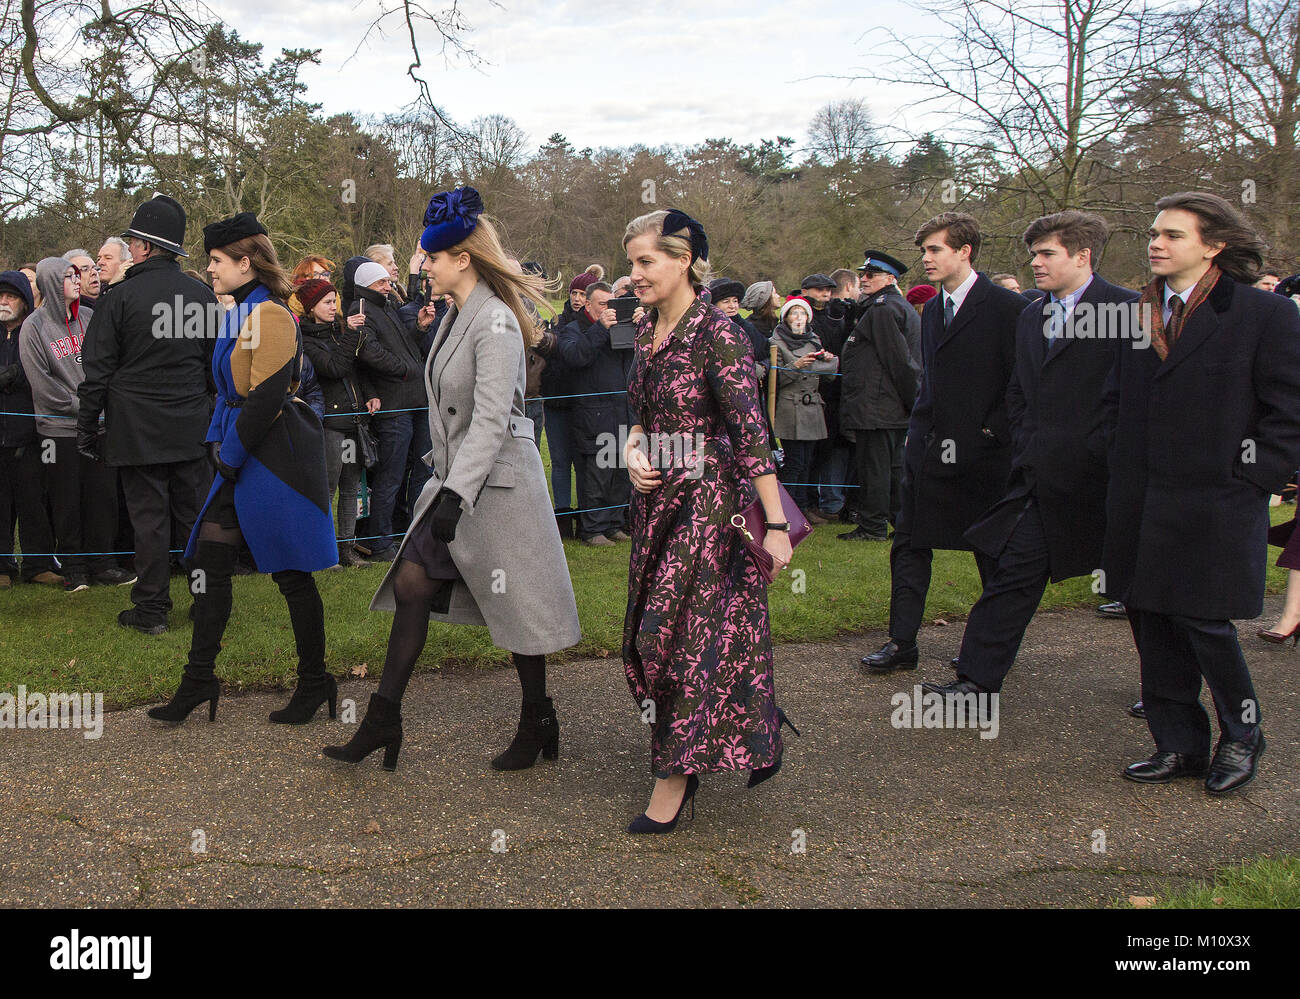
[270, 491]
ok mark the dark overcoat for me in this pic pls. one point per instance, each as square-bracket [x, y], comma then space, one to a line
[958, 453]
[1058, 428]
[1199, 442]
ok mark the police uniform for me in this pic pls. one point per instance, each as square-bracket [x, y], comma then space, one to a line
[881, 365]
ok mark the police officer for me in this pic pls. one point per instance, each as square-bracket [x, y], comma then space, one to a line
[881, 363]
[146, 358]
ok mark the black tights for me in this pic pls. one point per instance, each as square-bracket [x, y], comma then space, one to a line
[416, 596]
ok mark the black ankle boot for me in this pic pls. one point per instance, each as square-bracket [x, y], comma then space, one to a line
[382, 726]
[538, 732]
[189, 695]
[307, 698]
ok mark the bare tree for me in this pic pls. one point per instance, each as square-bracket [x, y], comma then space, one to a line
[1043, 82]
[841, 130]
[1234, 67]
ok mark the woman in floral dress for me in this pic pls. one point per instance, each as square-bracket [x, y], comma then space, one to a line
[697, 645]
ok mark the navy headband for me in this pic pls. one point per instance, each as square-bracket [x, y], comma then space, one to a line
[677, 219]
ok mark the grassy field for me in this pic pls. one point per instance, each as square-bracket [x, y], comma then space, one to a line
[52, 641]
[1266, 883]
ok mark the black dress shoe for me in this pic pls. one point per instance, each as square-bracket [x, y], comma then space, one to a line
[130, 618]
[862, 534]
[1114, 609]
[1137, 710]
[892, 656]
[960, 689]
[1164, 767]
[1234, 764]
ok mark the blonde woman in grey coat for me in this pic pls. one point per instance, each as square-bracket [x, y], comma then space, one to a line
[482, 547]
[800, 410]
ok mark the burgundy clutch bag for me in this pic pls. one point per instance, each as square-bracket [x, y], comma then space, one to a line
[750, 523]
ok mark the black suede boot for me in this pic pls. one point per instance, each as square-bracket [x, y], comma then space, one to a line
[213, 563]
[538, 732]
[382, 726]
[315, 685]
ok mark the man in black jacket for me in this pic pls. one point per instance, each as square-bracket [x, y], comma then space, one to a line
[881, 368]
[958, 451]
[1205, 425]
[600, 372]
[147, 356]
[391, 368]
[1052, 521]
[20, 463]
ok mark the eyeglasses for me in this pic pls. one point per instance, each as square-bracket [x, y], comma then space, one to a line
[325, 275]
[89, 269]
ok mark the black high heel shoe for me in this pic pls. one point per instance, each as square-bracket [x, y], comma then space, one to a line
[757, 777]
[382, 726]
[644, 824]
[1277, 638]
[538, 733]
[189, 695]
[307, 698]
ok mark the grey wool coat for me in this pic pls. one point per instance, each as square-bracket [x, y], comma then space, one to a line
[800, 408]
[507, 547]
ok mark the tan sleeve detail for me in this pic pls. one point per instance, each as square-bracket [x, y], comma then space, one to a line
[267, 341]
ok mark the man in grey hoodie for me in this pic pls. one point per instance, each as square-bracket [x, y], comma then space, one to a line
[83, 492]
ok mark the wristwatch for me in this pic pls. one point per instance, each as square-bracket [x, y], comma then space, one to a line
[776, 527]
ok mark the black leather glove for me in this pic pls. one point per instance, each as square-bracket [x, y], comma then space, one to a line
[219, 466]
[445, 516]
[90, 444]
[9, 377]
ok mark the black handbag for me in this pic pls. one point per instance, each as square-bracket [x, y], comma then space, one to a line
[367, 444]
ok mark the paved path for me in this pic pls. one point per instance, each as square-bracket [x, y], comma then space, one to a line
[889, 817]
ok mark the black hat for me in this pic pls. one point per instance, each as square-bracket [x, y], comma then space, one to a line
[817, 281]
[726, 288]
[227, 231]
[878, 260]
[160, 221]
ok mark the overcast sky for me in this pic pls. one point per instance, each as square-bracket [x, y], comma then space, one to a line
[657, 72]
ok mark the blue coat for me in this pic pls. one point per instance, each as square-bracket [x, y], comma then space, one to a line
[272, 439]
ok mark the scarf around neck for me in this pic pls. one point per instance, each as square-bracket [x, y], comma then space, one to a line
[1152, 304]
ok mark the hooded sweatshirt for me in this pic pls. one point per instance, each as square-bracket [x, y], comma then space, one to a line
[50, 348]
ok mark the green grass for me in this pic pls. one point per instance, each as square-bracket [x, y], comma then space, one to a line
[52, 641]
[1265, 883]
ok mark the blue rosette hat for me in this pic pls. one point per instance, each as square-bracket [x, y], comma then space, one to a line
[450, 218]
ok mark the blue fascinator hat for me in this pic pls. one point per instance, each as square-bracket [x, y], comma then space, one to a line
[450, 217]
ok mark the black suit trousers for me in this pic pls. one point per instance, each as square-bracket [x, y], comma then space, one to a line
[1176, 652]
[1011, 595]
[909, 569]
[164, 501]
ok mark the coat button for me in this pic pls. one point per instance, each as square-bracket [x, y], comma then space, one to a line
[451, 410]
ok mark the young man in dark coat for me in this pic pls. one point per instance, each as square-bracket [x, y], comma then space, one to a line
[958, 452]
[881, 367]
[1053, 519]
[600, 372]
[1206, 425]
[147, 354]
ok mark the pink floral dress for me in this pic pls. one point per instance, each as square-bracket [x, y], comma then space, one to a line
[696, 638]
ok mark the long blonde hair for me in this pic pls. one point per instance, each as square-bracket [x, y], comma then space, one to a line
[675, 244]
[492, 264]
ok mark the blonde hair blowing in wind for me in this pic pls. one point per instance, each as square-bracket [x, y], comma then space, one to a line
[492, 264]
